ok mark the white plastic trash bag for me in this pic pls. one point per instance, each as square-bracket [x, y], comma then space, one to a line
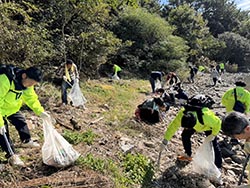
[115, 77]
[203, 161]
[56, 151]
[76, 95]
[157, 84]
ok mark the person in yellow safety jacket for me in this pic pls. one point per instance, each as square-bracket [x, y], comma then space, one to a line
[222, 67]
[201, 121]
[117, 71]
[201, 68]
[69, 74]
[237, 126]
[13, 92]
[228, 99]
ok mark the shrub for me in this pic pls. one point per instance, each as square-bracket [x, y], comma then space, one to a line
[138, 168]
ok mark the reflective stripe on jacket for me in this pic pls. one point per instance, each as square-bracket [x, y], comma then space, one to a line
[211, 122]
[11, 100]
[242, 95]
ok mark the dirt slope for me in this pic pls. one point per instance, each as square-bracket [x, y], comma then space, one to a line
[172, 174]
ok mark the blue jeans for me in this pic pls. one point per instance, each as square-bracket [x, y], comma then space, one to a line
[65, 86]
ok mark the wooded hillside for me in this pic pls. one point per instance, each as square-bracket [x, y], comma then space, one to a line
[137, 35]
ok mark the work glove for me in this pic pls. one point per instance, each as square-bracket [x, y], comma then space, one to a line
[45, 116]
[2, 130]
[163, 145]
[65, 78]
[210, 138]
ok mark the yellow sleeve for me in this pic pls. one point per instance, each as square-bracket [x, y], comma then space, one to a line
[225, 99]
[174, 126]
[212, 121]
[4, 89]
[31, 99]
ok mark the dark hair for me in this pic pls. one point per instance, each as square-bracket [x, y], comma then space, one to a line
[69, 62]
[240, 83]
[160, 90]
[159, 102]
[234, 123]
[34, 73]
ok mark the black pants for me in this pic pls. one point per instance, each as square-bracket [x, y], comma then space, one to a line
[149, 117]
[64, 87]
[186, 136]
[215, 81]
[152, 83]
[191, 78]
[119, 74]
[20, 124]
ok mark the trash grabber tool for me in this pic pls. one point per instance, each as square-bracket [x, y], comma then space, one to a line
[5, 137]
[8, 144]
[68, 83]
[159, 160]
[243, 169]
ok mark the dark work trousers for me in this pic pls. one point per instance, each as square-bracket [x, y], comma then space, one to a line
[19, 121]
[186, 141]
[215, 80]
[64, 87]
[152, 83]
[191, 78]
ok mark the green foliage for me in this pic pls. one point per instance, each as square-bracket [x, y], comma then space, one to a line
[216, 12]
[134, 169]
[142, 27]
[78, 137]
[126, 32]
[191, 26]
[138, 168]
[233, 68]
[153, 42]
[244, 30]
[91, 162]
[172, 52]
[237, 49]
[19, 40]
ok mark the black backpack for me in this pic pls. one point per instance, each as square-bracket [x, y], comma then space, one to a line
[195, 104]
[9, 70]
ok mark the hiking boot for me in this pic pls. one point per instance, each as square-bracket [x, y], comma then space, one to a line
[184, 158]
[14, 160]
[31, 144]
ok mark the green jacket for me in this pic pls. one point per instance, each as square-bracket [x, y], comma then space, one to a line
[201, 68]
[211, 122]
[242, 95]
[222, 66]
[116, 68]
[11, 101]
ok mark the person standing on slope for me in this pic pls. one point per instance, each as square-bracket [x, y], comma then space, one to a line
[17, 86]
